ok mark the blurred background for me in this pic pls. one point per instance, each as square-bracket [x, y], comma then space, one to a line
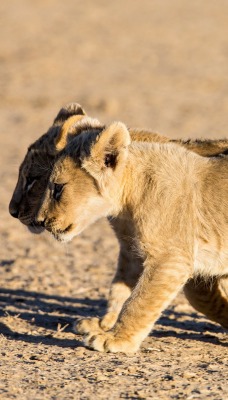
[157, 64]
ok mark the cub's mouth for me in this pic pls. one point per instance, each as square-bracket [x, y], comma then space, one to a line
[35, 228]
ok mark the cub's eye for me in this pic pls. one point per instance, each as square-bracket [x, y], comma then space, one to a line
[30, 181]
[58, 188]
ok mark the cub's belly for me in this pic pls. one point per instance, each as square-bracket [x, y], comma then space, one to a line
[211, 262]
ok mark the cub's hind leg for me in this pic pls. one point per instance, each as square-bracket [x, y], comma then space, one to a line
[209, 298]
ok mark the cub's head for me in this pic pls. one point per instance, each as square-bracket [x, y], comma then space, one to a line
[86, 182]
[37, 165]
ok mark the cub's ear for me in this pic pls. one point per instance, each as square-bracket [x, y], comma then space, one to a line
[66, 131]
[68, 111]
[109, 150]
[67, 116]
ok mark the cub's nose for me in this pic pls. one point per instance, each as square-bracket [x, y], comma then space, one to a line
[41, 223]
[40, 219]
[13, 210]
[15, 214]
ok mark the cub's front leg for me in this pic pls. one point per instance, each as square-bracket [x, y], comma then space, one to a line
[130, 267]
[128, 271]
[156, 288]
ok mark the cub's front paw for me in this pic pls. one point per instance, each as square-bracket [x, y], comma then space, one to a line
[109, 343]
[108, 320]
[87, 326]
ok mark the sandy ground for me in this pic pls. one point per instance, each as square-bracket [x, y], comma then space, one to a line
[156, 64]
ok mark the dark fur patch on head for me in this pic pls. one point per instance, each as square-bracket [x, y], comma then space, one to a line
[80, 147]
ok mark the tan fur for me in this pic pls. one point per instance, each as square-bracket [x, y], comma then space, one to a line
[32, 181]
[61, 140]
[175, 203]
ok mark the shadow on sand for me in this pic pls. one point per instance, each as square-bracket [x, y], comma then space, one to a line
[47, 311]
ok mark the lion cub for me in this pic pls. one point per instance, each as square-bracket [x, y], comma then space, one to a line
[176, 202]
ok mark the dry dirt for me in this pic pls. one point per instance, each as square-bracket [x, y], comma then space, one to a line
[156, 64]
